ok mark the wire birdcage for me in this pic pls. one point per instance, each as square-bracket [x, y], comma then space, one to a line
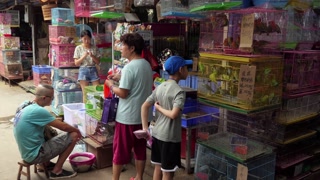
[219, 80]
[214, 164]
[301, 72]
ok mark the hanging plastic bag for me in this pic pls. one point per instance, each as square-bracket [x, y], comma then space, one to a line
[110, 106]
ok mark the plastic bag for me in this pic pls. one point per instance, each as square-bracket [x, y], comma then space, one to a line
[146, 54]
[110, 106]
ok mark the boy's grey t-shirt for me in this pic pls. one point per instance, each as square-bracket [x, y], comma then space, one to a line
[169, 94]
[136, 76]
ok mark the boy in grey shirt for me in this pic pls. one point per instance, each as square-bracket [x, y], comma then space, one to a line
[168, 99]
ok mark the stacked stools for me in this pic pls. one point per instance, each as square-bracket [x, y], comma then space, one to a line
[64, 73]
[10, 58]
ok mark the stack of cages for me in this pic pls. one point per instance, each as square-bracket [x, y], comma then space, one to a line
[103, 41]
[62, 35]
[301, 95]
[234, 139]
[264, 126]
[298, 160]
[10, 58]
[248, 31]
[66, 88]
[64, 73]
[249, 83]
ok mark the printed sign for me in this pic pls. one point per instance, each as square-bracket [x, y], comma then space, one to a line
[246, 34]
[247, 76]
[147, 37]
[242, 172]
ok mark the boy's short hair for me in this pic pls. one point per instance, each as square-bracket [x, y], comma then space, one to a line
[174, 63]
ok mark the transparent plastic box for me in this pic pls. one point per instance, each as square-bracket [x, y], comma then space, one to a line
[13, 70]
[15, 17]
[61, 34]
[91, 124]
[10, 42]
[62, 17]
[99, 132]
[74, 115]
[65, 78]
[67, 97]
[173, 6]
[10, 56]
[41, 69]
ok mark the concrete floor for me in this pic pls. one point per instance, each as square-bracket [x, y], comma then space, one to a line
[10, 98]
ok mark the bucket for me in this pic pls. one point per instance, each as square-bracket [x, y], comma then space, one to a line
[46, 11]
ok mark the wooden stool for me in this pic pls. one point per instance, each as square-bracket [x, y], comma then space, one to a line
[26, 165]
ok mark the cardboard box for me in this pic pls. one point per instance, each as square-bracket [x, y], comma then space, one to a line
[103, 153]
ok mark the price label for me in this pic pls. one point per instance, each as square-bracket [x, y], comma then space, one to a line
[9, 53]
[247, 76]
[246, 34]
[242, 172]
